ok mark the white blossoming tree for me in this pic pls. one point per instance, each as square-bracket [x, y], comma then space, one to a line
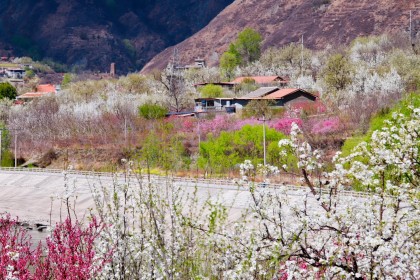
[334, 234]
[321, 231]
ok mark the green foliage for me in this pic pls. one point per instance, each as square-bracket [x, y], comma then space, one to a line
[248, 45]
[377, 122]
[7, 91]
[245, 49]
[134, 83]
[7, 158]
[337, 73]
[29, 73]
[228, 63]
[66, 80]
[224, 153]
[152, 111]
[211, 91]
[163, 149]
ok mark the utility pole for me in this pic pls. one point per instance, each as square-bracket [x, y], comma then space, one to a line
[301, 59]
[125, 130]
[199, 136]
[411, 27]
[15, 148]
[265, 157]
[1, 137]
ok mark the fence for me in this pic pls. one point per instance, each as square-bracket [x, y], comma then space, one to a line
[221, 182]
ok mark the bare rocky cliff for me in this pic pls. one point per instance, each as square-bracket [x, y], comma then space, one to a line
[90, 34]
[321, 22]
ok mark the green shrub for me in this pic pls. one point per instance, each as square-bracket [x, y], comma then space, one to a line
[7, 157]
[7, 91]
[29, 73]
[152, 111]
[211, 91]
[224, 153]
[377, 121]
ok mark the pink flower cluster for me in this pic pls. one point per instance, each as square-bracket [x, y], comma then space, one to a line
[231, 123]
[69, 252]
[285, 124]
[15, 254]
[216, 125]
[326, 125]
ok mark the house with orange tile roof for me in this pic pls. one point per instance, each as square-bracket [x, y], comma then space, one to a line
[279, 96]
[41, 90]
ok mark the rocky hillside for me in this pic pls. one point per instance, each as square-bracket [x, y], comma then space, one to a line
[90, 34]
[321, 22]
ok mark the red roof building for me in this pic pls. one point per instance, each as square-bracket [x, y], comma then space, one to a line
[41, 90]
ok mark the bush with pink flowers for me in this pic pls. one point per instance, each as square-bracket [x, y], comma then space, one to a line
[69, 252]
[16, 257]
[284, 125]
[324, 126]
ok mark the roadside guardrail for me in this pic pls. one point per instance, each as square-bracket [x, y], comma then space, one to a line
[222, 182]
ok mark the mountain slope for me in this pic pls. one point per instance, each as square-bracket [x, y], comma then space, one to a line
[321, 22]
[90, 34]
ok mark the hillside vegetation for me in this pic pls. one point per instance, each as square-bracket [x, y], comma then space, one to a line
[123, 116]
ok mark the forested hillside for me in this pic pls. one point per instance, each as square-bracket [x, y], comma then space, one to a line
[89, 35]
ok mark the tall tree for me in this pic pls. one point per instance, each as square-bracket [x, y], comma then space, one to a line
[248, 45]
[337, 73]
[245, 49]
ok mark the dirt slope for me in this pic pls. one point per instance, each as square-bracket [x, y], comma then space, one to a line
[321, 22]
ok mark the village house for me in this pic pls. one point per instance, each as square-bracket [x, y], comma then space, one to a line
[15, 73]
[279, 96]
[41, 90]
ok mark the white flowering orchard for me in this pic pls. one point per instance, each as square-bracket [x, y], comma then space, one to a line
[159, 231]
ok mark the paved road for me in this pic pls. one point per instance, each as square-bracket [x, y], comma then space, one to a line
[36, 194]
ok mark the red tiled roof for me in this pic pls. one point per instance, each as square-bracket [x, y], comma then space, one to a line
[45, 88]
[41, 90]
[261, 79]
[284, 92]
[32, 95]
